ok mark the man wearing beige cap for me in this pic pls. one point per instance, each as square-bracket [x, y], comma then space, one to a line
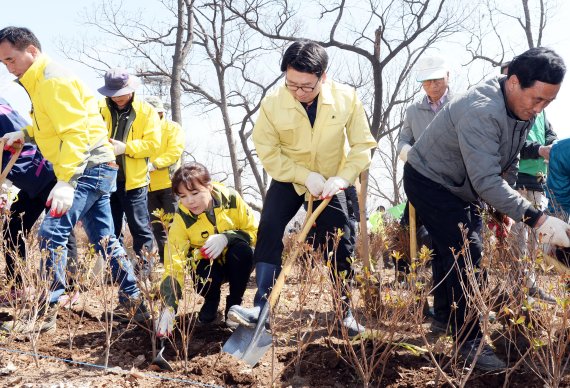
[433, 73]
[161, 166]
[134, 131]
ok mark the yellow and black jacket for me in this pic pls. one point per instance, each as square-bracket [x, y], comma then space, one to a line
[66, 124]
[142, 137]
[188, 233]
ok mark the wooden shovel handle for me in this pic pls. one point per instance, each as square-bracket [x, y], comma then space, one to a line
[309, 221]
[365, 245]
[413, 234]
[12, 161]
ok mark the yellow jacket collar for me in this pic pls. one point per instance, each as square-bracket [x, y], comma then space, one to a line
[35, 73]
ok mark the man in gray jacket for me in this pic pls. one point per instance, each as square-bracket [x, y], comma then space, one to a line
[462, 156]
[433, 73]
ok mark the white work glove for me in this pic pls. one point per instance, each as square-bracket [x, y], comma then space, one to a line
[5, 195]
[13, 137]
[404, 152]
[214, 246]
[554, 231]
[164, 324]
[333, 185]
[315, 183]
[151, 167]
[60, 198]
[118, 147]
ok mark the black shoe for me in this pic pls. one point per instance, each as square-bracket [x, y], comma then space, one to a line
[487, 360]
[439, 327]
[538, 293]
[353, 328]
[133, 310]
[209, 311]
[44, 321]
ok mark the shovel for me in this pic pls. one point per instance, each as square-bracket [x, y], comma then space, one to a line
[159, 360]
[17, 149]
[251, 344]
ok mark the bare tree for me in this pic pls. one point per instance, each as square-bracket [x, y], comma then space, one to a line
[221, 74]
[379, 42]
[496, 20]
[386, 32]
[140, 44]
[232, 53]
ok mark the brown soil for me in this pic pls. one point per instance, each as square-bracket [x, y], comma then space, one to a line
[322, 363]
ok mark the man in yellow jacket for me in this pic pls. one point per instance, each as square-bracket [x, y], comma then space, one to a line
[70, 133]
[161, 165]
[300, 137]
[134, 131]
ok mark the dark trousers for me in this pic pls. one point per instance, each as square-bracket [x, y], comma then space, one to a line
[422, 237]
[24, 214]
[234, 267]
[281, 204]
[441, 212]
[160, 199]
[133, 204]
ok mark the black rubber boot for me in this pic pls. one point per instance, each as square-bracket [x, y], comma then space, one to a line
[265, 275]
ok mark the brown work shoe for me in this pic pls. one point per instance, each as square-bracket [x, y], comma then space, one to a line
[30, 322]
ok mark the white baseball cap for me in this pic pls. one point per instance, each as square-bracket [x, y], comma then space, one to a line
[431, 67]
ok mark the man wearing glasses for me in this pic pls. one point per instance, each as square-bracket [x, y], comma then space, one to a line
[313, 138]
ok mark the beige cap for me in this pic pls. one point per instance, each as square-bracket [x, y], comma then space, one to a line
[432, 67]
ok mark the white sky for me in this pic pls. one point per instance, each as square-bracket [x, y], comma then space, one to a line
[61, 19]
[58, 20]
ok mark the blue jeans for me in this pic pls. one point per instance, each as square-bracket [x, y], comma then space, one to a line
[90, 205]
[133, 204]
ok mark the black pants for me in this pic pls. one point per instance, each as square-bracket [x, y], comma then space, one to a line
[281, 204]
[160, 199]
[422, 237]
[235, 267]
[24, 214]
[133, 204]
[441, 212]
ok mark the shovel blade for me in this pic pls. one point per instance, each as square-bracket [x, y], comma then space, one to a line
[246, 345]
[161, 362]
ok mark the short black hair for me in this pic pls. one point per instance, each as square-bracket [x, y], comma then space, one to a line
[538, 64]
[305, 56]
[20, 37]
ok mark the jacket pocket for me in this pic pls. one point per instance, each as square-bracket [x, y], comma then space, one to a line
[287, 136]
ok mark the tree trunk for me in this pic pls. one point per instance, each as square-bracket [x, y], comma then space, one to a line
[181, 49]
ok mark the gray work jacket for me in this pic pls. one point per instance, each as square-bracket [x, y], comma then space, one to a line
[471, 146]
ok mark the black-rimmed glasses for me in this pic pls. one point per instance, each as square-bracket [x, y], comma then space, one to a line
[306, 89]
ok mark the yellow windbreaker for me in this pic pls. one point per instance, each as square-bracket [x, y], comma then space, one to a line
[289, 148]
[188, 233]
[167, 158]
[142, 137]
[66, 124]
